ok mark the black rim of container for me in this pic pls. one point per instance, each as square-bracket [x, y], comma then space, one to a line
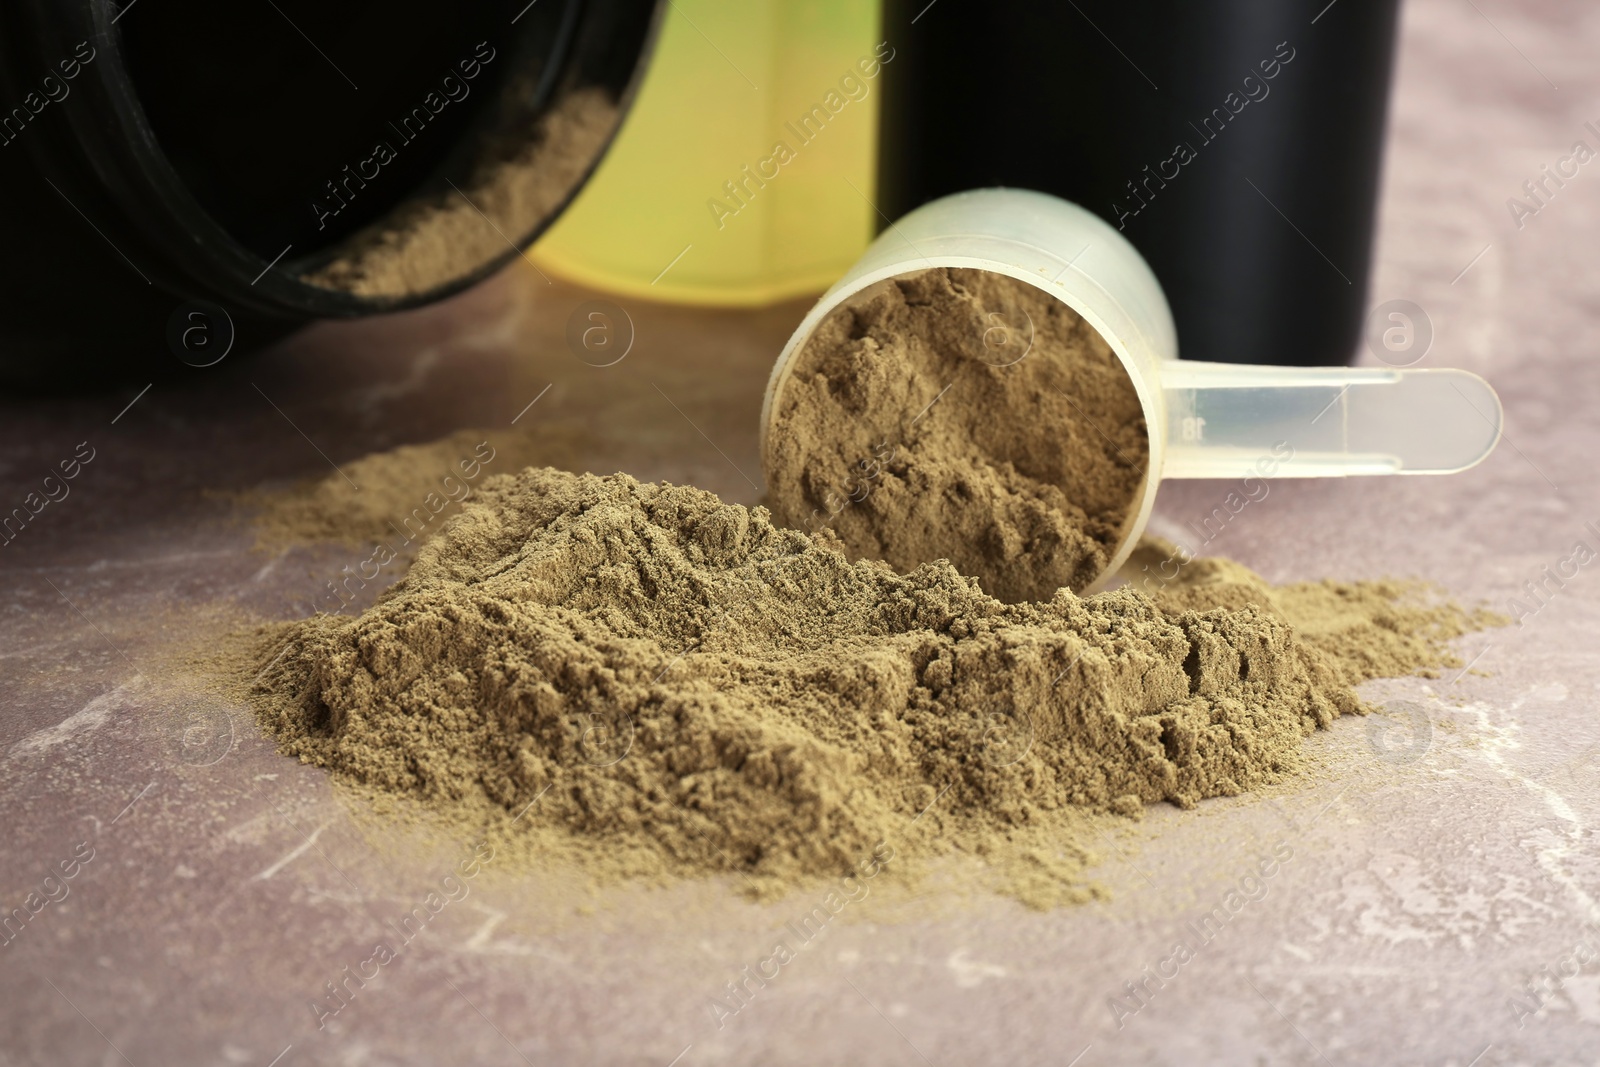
[143, 201]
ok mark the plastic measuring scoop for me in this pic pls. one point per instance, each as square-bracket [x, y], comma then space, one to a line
[1205, 420]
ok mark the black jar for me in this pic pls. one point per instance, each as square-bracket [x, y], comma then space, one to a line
[284, 160]
[1236, 143]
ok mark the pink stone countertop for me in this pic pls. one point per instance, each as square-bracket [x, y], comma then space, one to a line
[1439, 900]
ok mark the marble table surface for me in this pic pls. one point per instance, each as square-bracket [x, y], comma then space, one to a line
[1440, 903]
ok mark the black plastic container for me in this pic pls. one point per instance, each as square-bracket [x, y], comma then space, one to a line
[281, 160]
[1236, 143]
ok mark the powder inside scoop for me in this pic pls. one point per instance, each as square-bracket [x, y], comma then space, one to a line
[963, 415]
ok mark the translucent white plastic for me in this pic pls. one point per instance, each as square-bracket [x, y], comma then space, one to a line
[1206, 420]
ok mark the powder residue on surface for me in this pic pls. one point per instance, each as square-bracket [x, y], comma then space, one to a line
[407, 490]
[1370, 629]
[963, 415]
[681, 687]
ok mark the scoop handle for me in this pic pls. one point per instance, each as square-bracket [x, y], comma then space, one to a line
[1226, 421]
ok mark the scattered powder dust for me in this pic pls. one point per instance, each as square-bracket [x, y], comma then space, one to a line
[434, 241]
[1021, 473]
[654, 683]
[1372, 629]
[364, 503]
